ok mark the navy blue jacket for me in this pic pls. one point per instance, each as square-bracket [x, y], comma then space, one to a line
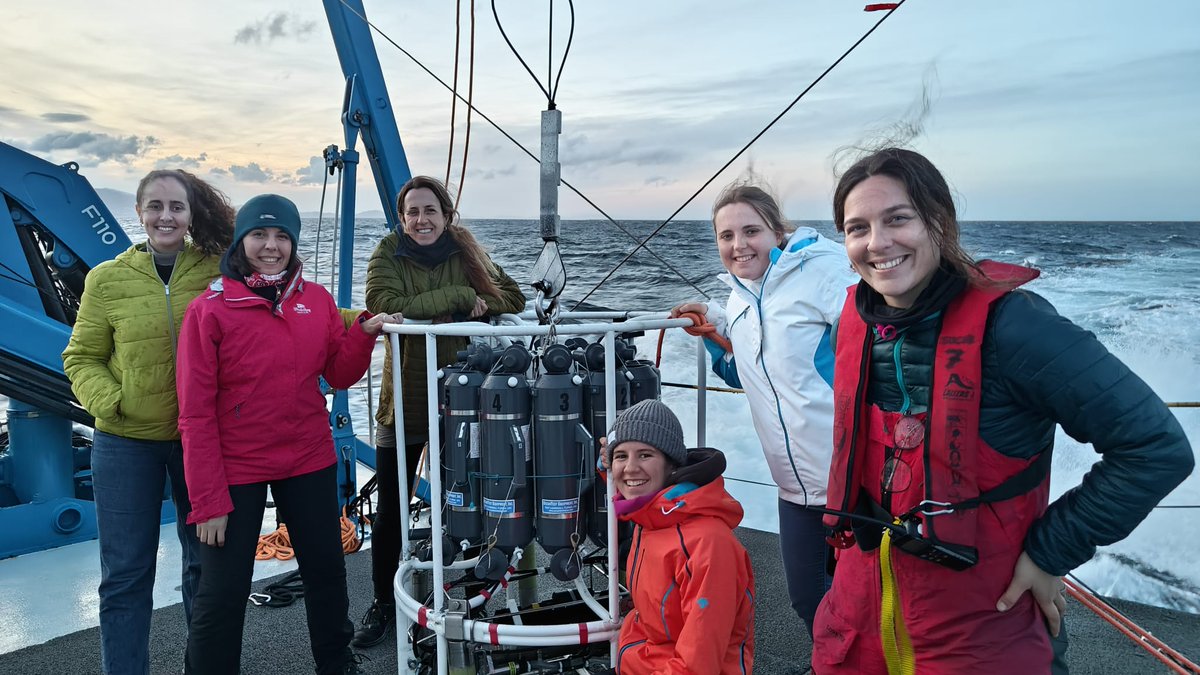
[1040, 369]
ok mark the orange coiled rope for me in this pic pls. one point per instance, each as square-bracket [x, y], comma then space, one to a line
[1175, 661]
[700, 328]
[278, 544]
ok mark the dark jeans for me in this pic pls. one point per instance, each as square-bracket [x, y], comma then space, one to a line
[308, 505]
[802, 543]
[385, 531]
[129, 476]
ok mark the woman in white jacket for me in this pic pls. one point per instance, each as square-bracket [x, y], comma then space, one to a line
[788, 287]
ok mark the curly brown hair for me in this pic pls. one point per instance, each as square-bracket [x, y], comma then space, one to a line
[212, 214]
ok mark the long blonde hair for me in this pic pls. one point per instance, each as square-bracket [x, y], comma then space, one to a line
[481, 271]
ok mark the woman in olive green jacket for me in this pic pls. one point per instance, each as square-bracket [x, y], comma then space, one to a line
[434, 269]
[121, 363]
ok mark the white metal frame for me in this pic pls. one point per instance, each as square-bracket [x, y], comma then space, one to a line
[413, 610]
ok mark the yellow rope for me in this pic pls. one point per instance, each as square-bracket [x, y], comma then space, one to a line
[897, 647]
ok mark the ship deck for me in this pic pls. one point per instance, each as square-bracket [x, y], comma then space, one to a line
[276, 640]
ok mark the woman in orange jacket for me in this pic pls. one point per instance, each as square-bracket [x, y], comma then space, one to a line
[689, 576]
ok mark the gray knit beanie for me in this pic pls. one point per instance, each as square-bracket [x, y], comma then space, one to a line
[652, 423]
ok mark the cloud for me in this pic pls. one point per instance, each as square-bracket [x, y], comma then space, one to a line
[178, 161]
[274, 26]
[492, 174]
[65, 117]
[312, 174]
[660, 181]
[252, 173]
[578, 152]
[218, 171]
[100, 147]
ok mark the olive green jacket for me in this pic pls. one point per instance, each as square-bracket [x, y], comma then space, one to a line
[121, 355]
[396, 284]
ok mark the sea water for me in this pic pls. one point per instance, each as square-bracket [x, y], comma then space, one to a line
[1133, 284]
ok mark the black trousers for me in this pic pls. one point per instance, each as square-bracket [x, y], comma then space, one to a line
[308, 504]
[385, 531]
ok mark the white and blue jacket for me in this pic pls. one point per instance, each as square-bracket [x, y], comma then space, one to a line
[780, 329]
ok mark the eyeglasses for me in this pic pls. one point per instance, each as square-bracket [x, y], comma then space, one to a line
[909, 433]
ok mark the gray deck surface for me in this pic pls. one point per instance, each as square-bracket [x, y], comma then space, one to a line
[276, 640]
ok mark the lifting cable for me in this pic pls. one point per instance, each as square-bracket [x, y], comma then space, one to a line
[454, 84]
[462, 179]
[521, 147]
[551, 91]
[320, 222]
[890, 10]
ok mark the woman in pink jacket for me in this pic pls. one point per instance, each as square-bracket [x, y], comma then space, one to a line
[252, 415]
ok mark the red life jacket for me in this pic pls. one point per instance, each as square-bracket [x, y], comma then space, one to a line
[955, 471]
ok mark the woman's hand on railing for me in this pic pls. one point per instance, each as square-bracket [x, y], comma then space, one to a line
[374, 325]
[693, 307]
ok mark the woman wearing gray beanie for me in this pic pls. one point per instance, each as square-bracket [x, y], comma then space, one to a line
[689, 576]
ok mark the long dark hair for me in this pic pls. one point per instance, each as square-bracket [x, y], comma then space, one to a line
[930, 196]
[212, 215]
[481, 271]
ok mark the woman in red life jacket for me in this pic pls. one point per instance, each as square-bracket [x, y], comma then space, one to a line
[253, 416]
[949, 381]
[688, 575]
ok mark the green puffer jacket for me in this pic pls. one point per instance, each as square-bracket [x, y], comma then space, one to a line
[121, 356]
[397, 284]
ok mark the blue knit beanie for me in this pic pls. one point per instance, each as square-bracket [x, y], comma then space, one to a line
[267, 211]
[263, 211]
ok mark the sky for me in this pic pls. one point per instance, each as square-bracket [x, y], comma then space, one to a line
[1033, 110]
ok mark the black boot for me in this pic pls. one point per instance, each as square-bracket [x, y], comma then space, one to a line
[375, 624]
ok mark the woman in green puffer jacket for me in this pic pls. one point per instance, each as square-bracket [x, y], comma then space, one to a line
[433, 269]
[121, 363]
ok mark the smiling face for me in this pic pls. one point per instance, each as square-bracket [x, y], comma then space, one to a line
[744, 240]
[424, 220]
[166, 214]
[267, 249]
[639, 469]
[888, 243]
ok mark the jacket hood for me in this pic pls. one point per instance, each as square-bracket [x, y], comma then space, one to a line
[698, 490]
[804, 244]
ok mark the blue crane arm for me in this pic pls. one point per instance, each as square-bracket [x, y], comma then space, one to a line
[54, 228]
[366, 107]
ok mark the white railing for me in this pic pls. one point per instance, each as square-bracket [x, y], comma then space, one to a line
[483, 632]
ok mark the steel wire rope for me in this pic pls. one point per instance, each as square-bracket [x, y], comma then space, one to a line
[551, 91]
[532, 156]
[320, 222]
[337, 233]
[462, 178]
[739, 153]
[15, 277]
[454, 80]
